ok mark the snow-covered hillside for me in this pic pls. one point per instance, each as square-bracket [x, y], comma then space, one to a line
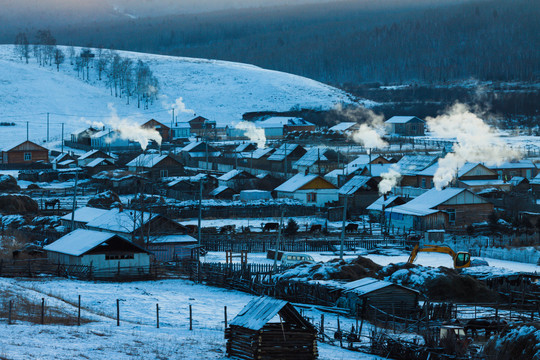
[218, 90]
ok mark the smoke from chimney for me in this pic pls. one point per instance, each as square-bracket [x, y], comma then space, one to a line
[254, 133]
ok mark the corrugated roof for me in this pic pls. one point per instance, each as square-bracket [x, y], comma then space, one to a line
[218, 190]
[283, 151]
[85, 214]
[343, 126]
[125, 221]
[172, 239]
[311, 157]
[412, 164]
[146, 160]
[424, 204]
[354, 184]
[258, 312]
[368, 285]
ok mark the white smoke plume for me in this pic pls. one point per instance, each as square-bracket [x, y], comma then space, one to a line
[371, 130]
[253, 132]
[476, 142]
[129, 130]
[389, 180]
[178, 106]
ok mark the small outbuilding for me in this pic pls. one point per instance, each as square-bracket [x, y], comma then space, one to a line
[268, 328]
[383, 295]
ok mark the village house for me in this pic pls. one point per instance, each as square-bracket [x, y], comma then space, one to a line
[377, 208]
[410, 165]
[339, 177]
[467, 173]
[440, 209]
[345, 127]
[507, 170]
[181, 131]
[84, 136]
[110, 140]
[405, 126]
[156, 166]
[203, 127]
[92, 155]
[256, 159]
[26, 152]
[384, 295]
[108, 254]
[198, 151]
[284, 157]
[318, 161]
[172, 248]
[310, 189]
[163, 130]
[98, 165]
[238, 180]
[222, 192]
[64, 161]
[188, 187]
[120, 181]
[360, 192]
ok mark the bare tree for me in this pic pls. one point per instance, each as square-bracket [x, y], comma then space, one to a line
[58, 58]
[22, 47]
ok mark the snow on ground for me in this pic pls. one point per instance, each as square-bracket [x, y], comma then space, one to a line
[218, 90]
[137, 337]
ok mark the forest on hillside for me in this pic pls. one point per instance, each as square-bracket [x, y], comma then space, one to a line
[344, 42]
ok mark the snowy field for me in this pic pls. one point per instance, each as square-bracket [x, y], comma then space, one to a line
[218, 90]
[137, 337]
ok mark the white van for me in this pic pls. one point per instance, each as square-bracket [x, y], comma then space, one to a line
[290, 258]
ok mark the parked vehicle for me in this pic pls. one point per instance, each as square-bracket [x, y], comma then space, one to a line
[290, 258]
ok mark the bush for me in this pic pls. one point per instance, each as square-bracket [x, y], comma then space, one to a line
[291, 228]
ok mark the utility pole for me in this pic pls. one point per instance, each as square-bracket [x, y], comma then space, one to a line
[285, 152]
[47, 127]
[200, 215]
[27, 126]
[342, 242]
[172, 124]
[74, 201]
[62, 138]
[278, 241]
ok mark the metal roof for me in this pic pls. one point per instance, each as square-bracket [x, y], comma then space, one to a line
[258, 312]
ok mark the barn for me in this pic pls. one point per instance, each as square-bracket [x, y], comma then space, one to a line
[310, 189]
[405, 126]
[268, 328]
[166, 248]
[25, 153]
[107, 253]
[383, 295]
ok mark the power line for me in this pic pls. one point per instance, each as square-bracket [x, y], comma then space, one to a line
[83, 116]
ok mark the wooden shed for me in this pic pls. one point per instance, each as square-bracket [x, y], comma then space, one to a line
[383, 295]
[26, 152]
[268, 329]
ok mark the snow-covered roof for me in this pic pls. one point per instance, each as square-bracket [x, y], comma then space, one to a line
[182, 124]
[311, 157]
[378, 204]
[368, 285]
[242, 147]
[536, 180]
[66, 162]
[492, 182]
[424, 204]
[517, 164]
[231, 174]
[78, 242]
[146, 160]
[378, 169]
[94, 152]
[283, 151]
[97, 162]
[430, 170]
[296, 182]
[179, 179]
[257, 154]
[402, 119]
[125, 221]
[218, 190]
[85, 214]
[343, 126]
[280, 121]
[516, 180]
[191, 146]
[172, 239]
[412, 164]
[354, 184]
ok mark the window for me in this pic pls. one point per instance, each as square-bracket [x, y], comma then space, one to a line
[451, 216]
[27, 156]
[163, 173]
[119, 257]
[312, 197]
[423, 183]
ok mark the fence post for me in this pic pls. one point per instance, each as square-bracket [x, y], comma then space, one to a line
[190, 318]
[9, 314]
[42, 311]
[157, 316]
[322, 327]
[79, 312]
[117, 312]
[225, 313]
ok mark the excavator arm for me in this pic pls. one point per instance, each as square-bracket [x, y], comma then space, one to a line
[461, 259]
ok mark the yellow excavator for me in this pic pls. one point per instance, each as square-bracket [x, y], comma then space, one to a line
[461, 259]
